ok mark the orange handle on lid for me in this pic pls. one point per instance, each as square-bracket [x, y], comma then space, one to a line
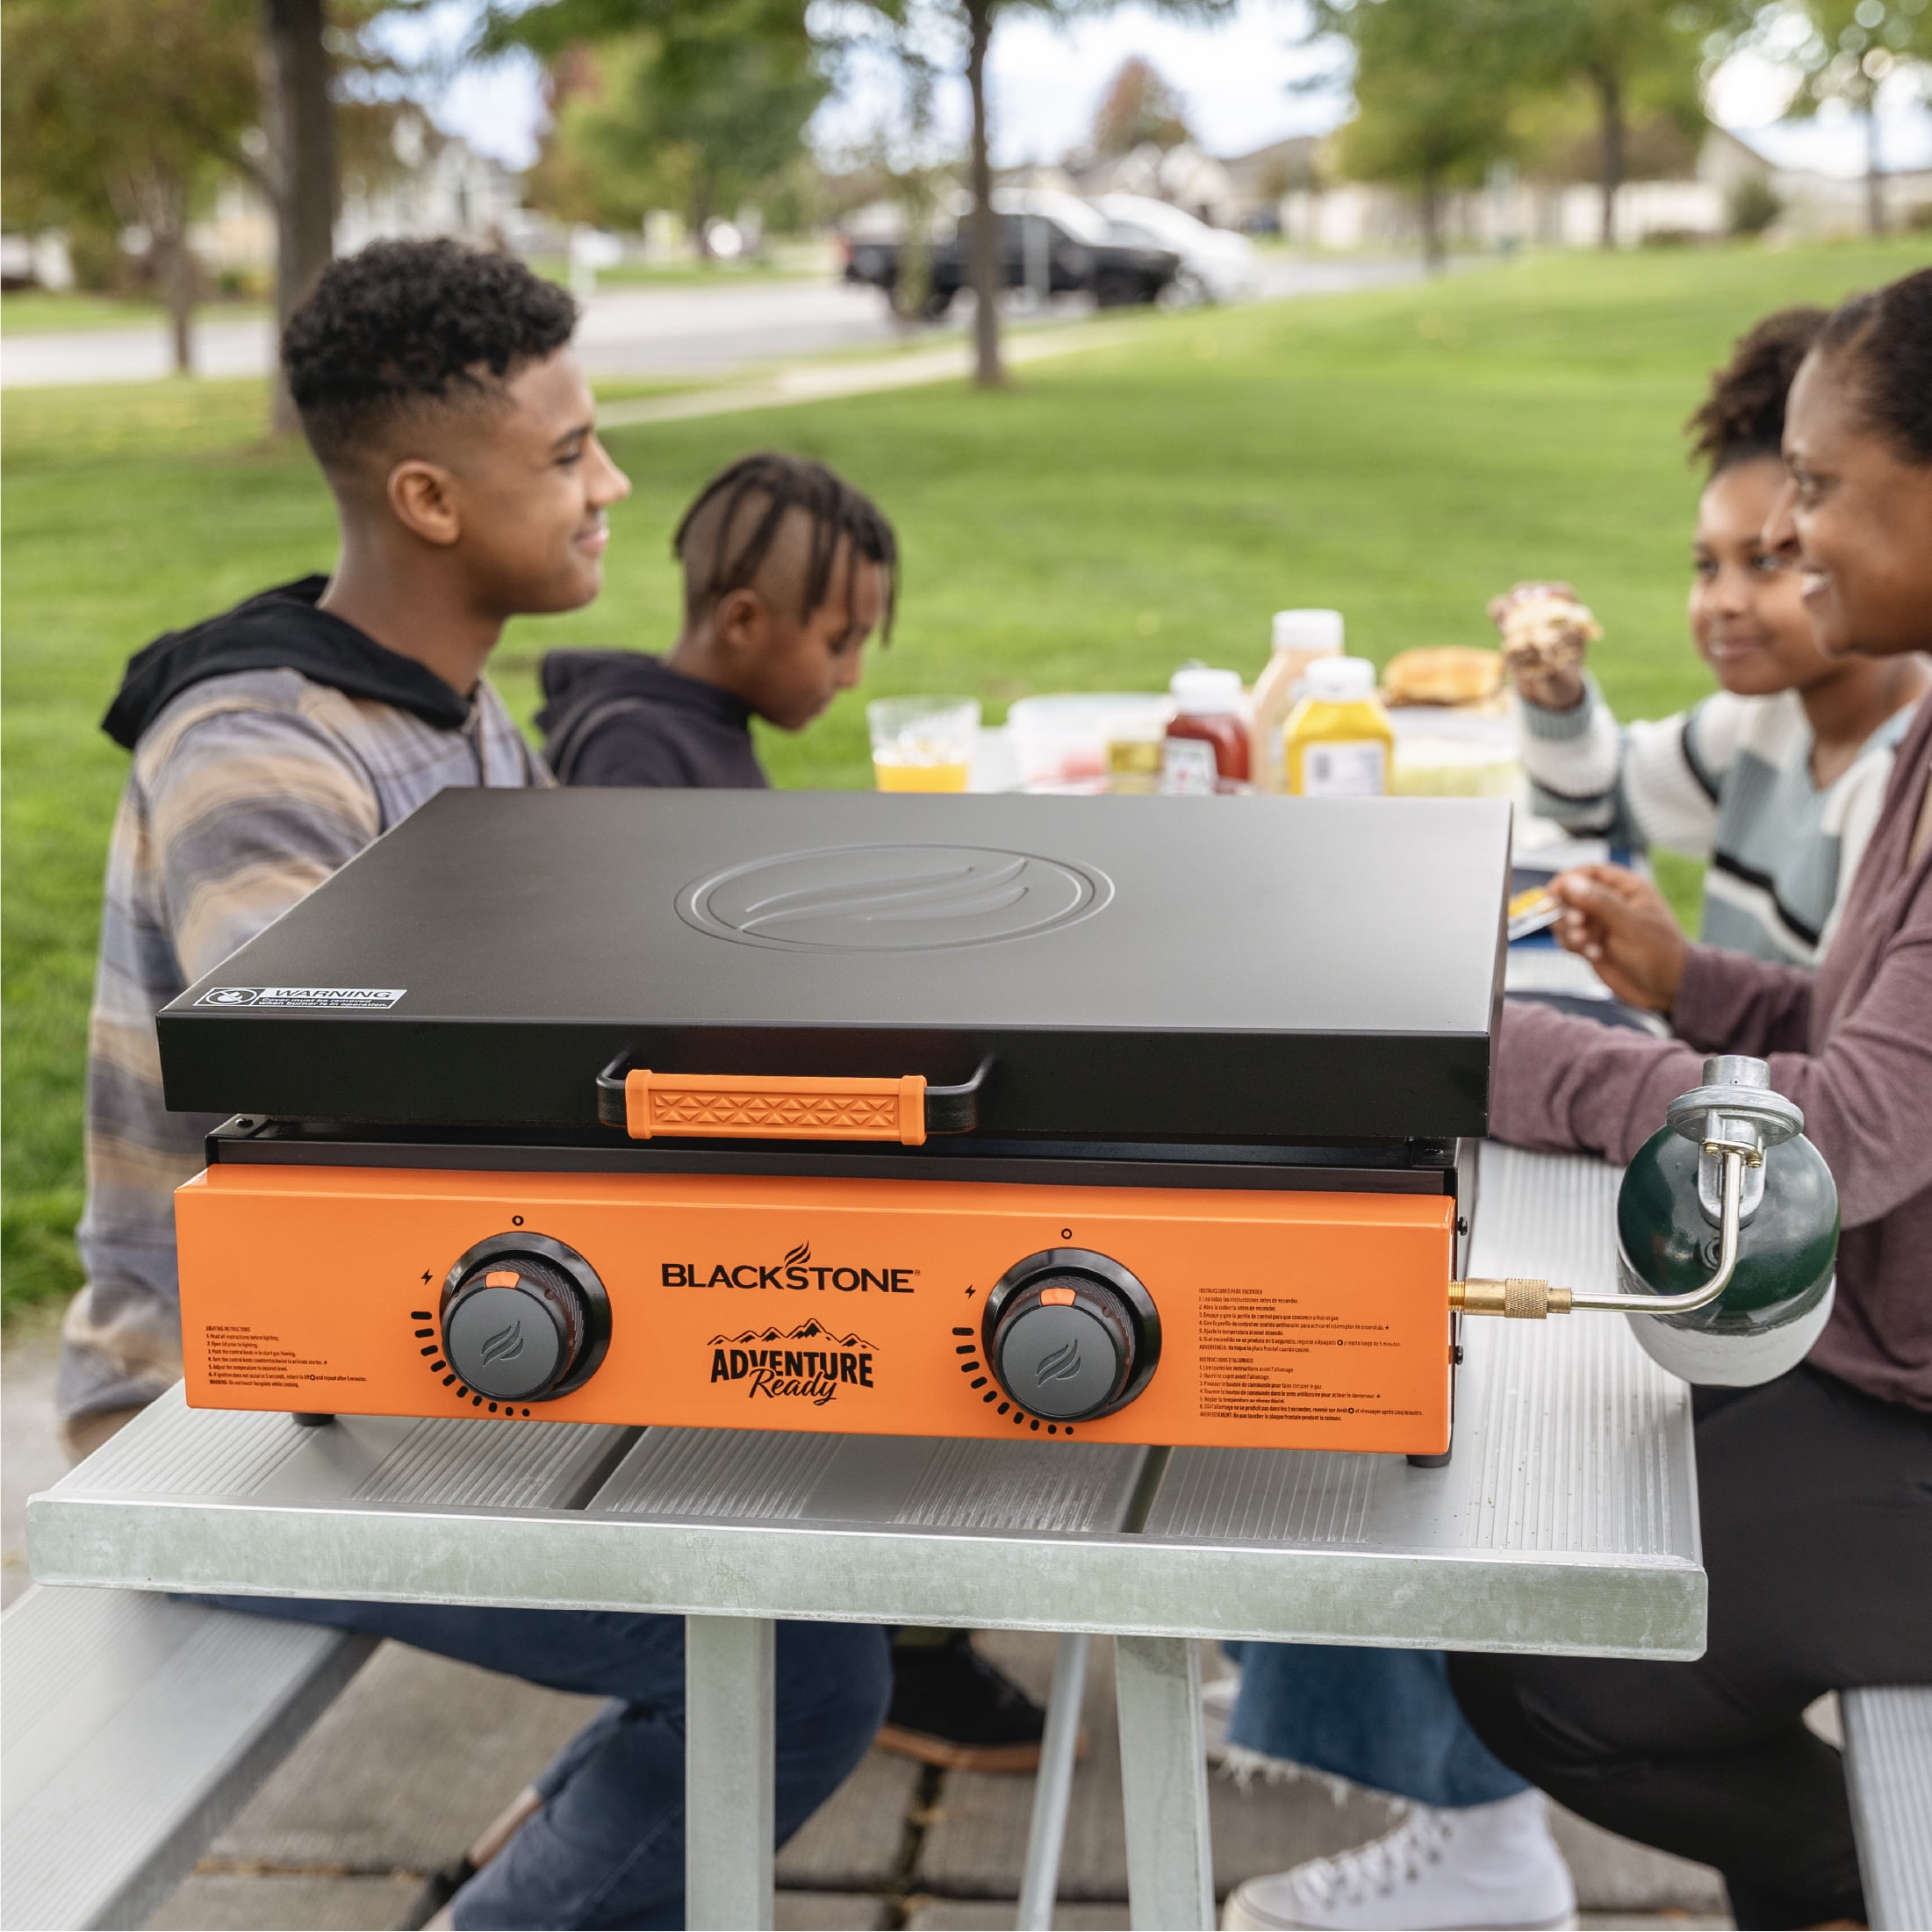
[740, 1106]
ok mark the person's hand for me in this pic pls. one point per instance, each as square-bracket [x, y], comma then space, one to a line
[1621, 924]
[1546, 627]
[1552, 686]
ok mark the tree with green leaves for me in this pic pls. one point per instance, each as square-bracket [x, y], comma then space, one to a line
[121, 114]
[1435, 81]
[1852, 49]
[665, 103]
[1630, 55]
[1139, 110]
[975, 21]
[299, 170]
[1424, 69]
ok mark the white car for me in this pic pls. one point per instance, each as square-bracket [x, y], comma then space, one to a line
[1217, 265]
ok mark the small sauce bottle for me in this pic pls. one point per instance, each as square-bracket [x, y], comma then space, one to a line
[1338, 742]
[1206, 748]
[1299, 637]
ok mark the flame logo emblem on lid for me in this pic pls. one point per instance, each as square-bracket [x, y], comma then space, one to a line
[505, 1346]
[1061, 1364]
[892, 898]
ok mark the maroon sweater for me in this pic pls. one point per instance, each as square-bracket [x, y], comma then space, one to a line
[1851, 1045]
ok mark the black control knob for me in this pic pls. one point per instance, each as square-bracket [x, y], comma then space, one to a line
[524, 1319]
[1071, 1335]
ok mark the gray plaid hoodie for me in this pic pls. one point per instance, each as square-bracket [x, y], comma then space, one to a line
[249, 786]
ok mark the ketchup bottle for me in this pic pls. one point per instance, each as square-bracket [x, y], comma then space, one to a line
[1207, 743]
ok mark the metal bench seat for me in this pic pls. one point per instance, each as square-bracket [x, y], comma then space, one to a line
[1888, 1764]
[136, 1727]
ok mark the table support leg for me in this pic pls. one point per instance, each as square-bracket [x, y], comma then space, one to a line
[1053, 1790]
[1164, 1784]
[729, 1823]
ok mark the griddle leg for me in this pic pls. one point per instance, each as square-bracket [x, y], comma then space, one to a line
[729, 1823]
[1164, 1785]
[1054, 1789]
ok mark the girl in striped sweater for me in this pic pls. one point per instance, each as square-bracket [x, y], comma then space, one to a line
[1776, 778]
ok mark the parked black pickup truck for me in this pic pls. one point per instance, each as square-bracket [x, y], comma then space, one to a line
[1055, 241]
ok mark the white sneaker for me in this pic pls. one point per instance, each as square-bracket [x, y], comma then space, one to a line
[1217, 1712]
[1494, 1866]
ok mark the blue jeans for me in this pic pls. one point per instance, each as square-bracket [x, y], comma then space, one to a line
[607, 1849]
[1386, 1718]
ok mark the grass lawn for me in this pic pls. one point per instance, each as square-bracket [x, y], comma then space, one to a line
[1401, 454]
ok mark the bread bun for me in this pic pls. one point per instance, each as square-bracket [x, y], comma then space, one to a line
[1456, 674]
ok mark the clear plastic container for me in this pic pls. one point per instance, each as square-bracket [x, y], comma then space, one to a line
[1300, 636]
[1338, 742]
[1207, 740]
[1060, 741]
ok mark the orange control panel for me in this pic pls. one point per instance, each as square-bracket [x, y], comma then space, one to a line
[1243, 1319]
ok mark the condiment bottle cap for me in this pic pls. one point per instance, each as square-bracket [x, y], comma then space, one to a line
[1308, 630]
[1340, 680]
[1200, 691]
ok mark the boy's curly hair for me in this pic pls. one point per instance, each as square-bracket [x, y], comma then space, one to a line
[729, 531]
[402, 323]
[1742, 419]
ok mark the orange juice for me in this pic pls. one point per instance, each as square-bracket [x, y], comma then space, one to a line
[898, 775]
[923, 744]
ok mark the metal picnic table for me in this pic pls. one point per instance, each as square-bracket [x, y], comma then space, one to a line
[1565, 1522]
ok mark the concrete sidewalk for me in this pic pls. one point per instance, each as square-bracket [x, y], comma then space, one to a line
[419, 1754]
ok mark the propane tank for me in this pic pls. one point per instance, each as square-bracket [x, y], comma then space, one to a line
[1669, 1215]
[1726, 1238]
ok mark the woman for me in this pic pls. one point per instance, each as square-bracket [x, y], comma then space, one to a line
[1815, 1489]
[1776, 779]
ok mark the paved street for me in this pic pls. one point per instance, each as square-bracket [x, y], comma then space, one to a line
[680, 333]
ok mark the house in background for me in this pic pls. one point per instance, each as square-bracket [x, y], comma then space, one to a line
[401, 175]
[1725, 184]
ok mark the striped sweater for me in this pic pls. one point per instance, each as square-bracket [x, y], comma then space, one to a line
[247, 790]
[1729, 781]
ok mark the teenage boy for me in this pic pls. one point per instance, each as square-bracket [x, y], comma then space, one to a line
[787, 569]
[439, 393]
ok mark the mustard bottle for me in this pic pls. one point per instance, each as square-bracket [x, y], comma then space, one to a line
[1338, 742]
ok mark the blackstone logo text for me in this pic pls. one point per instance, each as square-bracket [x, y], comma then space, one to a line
[797, 1271]
[815, 1375]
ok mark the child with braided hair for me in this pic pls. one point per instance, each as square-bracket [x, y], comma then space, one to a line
[789, 568]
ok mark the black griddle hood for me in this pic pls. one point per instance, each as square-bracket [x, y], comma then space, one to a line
[1200, 969]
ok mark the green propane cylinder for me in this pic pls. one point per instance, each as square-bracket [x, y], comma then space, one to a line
[1667, 1234]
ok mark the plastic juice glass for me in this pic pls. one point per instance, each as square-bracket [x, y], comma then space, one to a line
[923, 744]
[1338, 742]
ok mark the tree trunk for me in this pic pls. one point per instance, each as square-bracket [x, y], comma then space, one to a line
[1610, 107]
[984, 231]
[1875, 179]
[1433, 254]
[175, 260]
[300, 121]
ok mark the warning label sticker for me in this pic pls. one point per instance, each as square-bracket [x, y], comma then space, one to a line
[301, 995]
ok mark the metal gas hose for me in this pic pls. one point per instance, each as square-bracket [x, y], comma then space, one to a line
[1734, 1117]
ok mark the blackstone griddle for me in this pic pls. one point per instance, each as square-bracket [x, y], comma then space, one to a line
[1122, 1119]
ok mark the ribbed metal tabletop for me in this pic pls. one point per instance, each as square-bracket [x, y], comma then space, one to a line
[1565, 1521]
